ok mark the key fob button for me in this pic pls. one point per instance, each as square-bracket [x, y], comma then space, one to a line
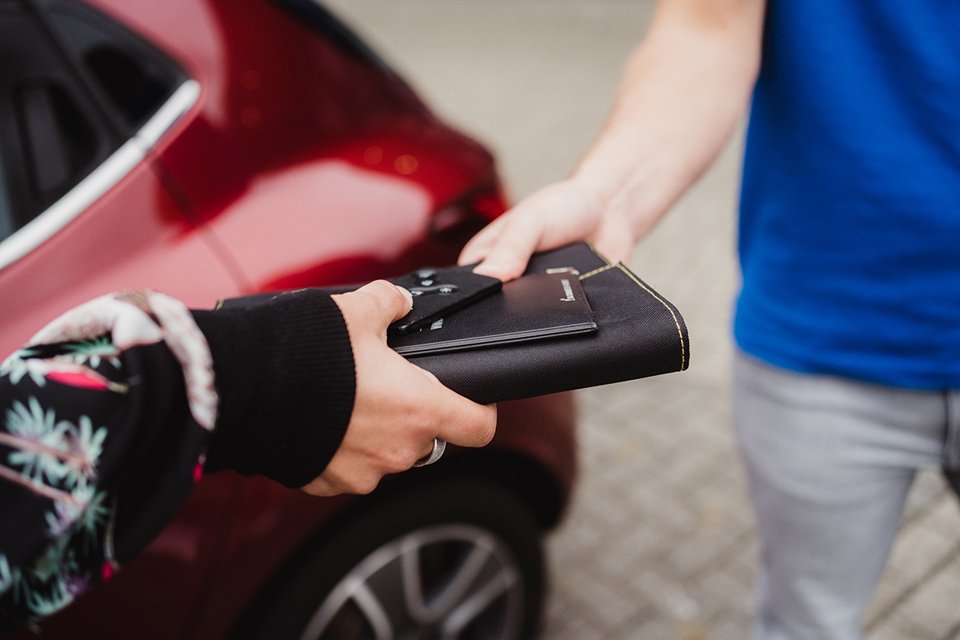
[438, 292]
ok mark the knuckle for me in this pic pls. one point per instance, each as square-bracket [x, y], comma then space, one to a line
[365, 484]
[399, 460]
[387, 295]
[421, 414]
[318, 487]
[487, 428]
[381, 288]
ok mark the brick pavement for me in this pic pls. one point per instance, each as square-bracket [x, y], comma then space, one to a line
[658, 542]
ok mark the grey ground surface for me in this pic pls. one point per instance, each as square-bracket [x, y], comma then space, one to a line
[658, 542]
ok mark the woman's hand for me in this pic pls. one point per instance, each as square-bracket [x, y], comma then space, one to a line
[399, 408]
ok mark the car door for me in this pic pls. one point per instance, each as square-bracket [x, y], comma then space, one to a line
[83, 207]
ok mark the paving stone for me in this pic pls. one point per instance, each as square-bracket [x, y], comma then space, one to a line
[700, 554]
[887, 596]
[732, 627]
[565, 620]
[933, 606]
[725, 595]
[627, 555]
[945, 515]
[648, 628]
[919, 548]
[900, 627]
[928, 489]
[608, 603]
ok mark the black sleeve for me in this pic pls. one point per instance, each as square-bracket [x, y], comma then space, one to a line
[286, 381]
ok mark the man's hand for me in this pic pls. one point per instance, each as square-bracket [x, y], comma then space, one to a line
[552, 217]
[684, 90]
[399, 408]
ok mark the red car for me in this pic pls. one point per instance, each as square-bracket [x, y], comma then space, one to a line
[212, 148]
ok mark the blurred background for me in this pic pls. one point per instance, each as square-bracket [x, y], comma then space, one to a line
[658, 542]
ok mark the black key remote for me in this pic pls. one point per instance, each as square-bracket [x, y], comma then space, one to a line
[437, 292]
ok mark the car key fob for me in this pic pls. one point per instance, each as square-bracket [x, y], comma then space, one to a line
[439, 292]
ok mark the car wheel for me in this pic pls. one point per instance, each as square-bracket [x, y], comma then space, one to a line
[455, 558]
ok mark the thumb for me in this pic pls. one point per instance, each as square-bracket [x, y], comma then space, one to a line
[509, 253]
[381, 302]
[479, 245]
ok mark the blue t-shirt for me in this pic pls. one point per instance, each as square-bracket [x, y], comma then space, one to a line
[850, 204]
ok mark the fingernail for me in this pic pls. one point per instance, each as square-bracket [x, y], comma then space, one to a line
[406, 294]
[492, 269]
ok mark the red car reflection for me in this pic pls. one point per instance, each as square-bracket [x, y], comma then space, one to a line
[224, 147]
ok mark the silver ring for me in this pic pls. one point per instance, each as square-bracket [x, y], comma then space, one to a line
[438, 448]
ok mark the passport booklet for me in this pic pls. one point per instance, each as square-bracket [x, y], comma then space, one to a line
[535, 307]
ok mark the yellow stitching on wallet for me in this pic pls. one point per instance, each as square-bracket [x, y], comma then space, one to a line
[596, 271]
[683, 351]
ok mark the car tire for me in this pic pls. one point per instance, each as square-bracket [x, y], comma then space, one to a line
[453, 558]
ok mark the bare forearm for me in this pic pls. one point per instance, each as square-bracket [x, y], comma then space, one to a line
[683, 93]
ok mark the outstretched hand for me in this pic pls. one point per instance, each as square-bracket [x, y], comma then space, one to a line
[399, 408]
[552, 217]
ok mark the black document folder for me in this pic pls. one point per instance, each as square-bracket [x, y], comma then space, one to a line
[639, 334]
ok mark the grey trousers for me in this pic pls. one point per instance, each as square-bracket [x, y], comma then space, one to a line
[829, 463]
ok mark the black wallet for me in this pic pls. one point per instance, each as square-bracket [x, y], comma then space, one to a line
[639, 334]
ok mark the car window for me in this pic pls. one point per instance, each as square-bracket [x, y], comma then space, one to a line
[5, 223]
[75, 86]
[49, 130]
[134, 78]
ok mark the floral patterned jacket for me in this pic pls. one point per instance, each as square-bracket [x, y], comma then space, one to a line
[110, 415]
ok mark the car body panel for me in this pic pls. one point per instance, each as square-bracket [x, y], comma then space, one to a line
[298, 162]
[117, 243]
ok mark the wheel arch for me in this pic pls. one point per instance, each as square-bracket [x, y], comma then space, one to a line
[499, 470]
